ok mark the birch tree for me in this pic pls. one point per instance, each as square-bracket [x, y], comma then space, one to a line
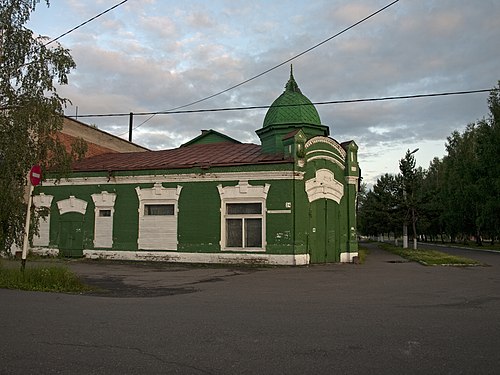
[30, 110]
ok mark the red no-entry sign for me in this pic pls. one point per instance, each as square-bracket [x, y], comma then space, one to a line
[35, 175]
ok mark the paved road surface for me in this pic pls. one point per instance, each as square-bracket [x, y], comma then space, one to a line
[382, 317]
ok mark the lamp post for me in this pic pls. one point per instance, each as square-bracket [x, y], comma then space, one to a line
[405, 224]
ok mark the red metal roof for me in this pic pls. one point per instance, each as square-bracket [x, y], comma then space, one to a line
[197, 155]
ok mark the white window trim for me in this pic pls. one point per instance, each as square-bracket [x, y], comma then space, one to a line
[40, 201]
[72, 204]
[243, 193]
[157, 195]
[103, 201]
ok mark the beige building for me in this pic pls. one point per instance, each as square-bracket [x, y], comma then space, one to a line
[98, 141]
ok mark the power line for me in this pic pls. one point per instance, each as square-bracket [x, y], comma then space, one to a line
[346, 101]
[86, 22]
[274, 67]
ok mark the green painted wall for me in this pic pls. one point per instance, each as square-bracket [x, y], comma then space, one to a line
[199, 216]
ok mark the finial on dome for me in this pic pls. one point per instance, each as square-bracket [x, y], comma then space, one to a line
[291, 85]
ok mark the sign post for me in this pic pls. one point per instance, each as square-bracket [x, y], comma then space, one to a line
[34, 178]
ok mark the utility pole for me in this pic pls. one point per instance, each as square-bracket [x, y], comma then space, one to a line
[130, 126]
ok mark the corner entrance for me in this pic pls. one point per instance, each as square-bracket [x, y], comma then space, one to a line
[324, 238]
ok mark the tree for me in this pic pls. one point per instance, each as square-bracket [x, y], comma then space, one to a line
[431, 208]
[30, 111]
[378, 212]
[488, 174]
[410, 183]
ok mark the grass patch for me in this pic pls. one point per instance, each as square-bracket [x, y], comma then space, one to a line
[429, 257]
[42, 279]
[472, 245]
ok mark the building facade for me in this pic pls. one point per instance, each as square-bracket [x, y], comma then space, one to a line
[290, 200]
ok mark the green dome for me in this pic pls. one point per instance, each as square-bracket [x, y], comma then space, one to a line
[292, 107]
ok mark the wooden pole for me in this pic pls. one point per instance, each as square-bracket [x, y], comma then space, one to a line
[27, 226]
[130, 125]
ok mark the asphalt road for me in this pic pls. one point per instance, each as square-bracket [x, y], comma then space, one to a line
[386, 316]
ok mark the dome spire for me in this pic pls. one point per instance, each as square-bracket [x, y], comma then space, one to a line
[291, 85]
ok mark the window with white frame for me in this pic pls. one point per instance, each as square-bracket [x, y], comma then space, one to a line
[158, 207]
[243, 224]
[104, 203]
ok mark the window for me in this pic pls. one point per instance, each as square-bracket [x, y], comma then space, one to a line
[244, 225]
[243, 216]
[158, 209]
[104, 210]
[105, 213]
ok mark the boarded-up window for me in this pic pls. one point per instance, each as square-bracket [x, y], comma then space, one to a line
[104, 211]
[158, 217]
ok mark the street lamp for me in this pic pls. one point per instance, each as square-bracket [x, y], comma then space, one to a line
[405, 224]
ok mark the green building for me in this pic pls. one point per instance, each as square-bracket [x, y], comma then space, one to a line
[290, 200]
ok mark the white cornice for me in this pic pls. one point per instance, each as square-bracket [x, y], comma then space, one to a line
[178, 178]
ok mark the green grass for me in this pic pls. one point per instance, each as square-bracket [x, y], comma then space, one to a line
[473, 245]
[362, 254]
[429, 257]
[43, 279]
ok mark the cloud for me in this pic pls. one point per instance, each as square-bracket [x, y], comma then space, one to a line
[156, 55]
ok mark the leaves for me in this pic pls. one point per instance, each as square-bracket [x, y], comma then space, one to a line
[30, 111]
[458, 195]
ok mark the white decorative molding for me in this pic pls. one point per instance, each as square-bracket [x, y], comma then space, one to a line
[158, 232]
[158, 193]
[72, 204]
[224, 258]
[327, 152]
[179, 178]
[42, 201]
[279, 211]
[324, 185]
[104, 199]
[243, 190]
[103, 225]
[329, 158]
[352, 180]
[329, 141]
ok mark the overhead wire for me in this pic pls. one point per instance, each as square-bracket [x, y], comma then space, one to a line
[77, 27]
[345, 101]
[86, 22]
[272, 68]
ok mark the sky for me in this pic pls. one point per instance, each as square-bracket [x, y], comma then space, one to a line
[155, 55]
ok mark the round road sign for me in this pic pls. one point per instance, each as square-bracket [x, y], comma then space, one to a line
[35, 175]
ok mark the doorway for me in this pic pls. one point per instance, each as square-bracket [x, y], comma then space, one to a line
[71, 235]
[324, 244]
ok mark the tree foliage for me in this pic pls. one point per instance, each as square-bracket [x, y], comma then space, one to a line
[30, 111]
[458, 196]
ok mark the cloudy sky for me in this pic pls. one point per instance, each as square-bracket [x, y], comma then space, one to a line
[155, 55]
